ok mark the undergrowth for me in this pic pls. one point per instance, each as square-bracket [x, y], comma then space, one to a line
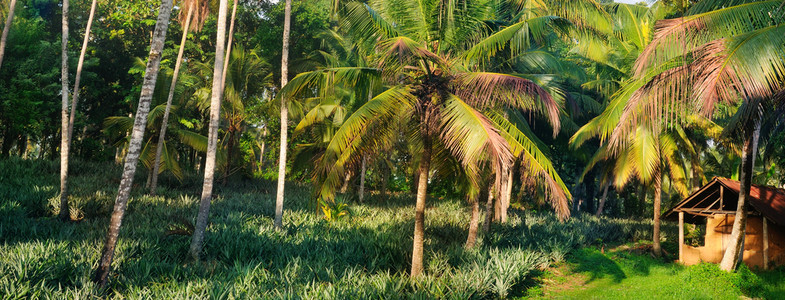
[363, 255]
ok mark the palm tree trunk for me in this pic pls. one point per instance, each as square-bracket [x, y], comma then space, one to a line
[64, 145]
[419, 211]
[284, 117]
[77, 78]
[212, 138]
[488, 212]
[8, 20]
[732, 253]
[346, 177]
[697, 170]
[165, 121]
[261, 156]
[656, 248]
[135, 145]
[385, 176]
[474, 222]
[228, 47]
[506, 194]
[602, 200]
[642, 199]
[361, 193]
[497, 205]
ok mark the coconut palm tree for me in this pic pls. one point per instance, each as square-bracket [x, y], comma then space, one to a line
[719, 52]
[196, 11]
[279, 196]
[135, 144]
[647, 154]
[8, 20]
[430, 97]
[212, 138]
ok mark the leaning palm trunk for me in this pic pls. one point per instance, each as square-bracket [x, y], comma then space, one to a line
[656, 248]
[284, 118]
[78, 77]
[8, 20]
[65, 213]
[732, 253]
[474, 222]
[212, 139]
[135, 144]
[165, 121]
[419, 211]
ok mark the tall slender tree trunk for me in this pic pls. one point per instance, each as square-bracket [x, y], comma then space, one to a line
[228, 47]
[697, 170]
[385, 177]
[64, 145]
[165, 121]
[346, 178]
[284, 118]
[261, 156]
[135, 145]
[361, 193]
[212, 139]
[733, 252]
[419, 211]
[506, 194]
[474, 222]
[8, 20]
[486, 226]
[655, 247]
[602, 200]
[79, 65]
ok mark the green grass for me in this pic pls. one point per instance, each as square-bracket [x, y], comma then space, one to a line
[622, 274]
[365, 255]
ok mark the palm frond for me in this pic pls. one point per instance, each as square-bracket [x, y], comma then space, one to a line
[525, 145]
[675, 37]
[470, 136]
[192, 139]
[517, 36]
[484, 89]
[346, 142]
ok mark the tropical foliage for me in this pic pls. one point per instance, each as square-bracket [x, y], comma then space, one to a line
[526, 128]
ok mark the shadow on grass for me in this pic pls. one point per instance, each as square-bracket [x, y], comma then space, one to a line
[597, 265]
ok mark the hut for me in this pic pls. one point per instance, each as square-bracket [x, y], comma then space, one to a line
[714, 206]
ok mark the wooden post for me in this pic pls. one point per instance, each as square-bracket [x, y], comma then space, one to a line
[681, 237]
[765, 243]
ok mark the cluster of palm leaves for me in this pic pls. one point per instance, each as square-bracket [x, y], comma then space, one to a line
[458, 84]
[716, 54]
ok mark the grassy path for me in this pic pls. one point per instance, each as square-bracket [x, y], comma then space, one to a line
[621, 273]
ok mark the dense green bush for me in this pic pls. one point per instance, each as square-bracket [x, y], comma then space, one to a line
[365, 255]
